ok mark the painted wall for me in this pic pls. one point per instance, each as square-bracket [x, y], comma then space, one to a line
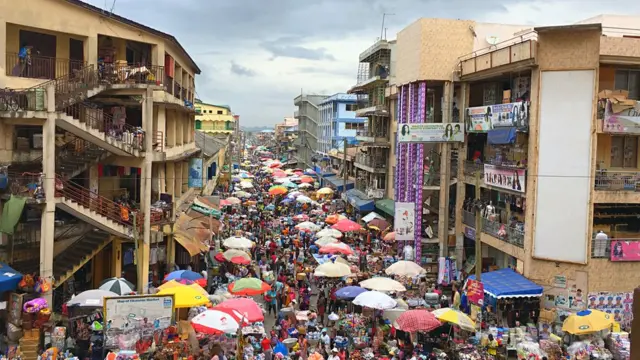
[503, 32]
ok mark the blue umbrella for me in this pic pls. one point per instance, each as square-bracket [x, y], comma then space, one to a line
[350, 292]
[183, 274]
[286, 201]
[270, 207]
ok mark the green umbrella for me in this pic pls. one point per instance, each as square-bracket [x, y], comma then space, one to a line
[249, 287]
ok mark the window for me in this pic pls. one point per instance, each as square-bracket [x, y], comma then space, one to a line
[198, 124]
[628, 80]
[624, 152]
[220, 112]
[351, 107]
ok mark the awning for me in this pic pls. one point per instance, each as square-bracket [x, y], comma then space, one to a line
[338, 182]
[358, 201]
[387, 206]
[192, 246]
[9, 278]
[506, 283]
[501, 136]
[192, 233]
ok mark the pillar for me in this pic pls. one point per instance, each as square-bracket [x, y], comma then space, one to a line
[171, 251]
[116, 257]
[169, 178]
[460, 186]
[145, 198]
[3, 44]
[177, 178]
[91, 50]
[445, 173]
[47, 227]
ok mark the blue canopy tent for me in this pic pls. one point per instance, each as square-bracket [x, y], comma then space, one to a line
[9, 278]
[506, 283]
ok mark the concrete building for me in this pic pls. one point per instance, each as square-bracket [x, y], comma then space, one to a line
[97, 135]
[215, 119]
[505, 85]
[338, 122]
[308, 116]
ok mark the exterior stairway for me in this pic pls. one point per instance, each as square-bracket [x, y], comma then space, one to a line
[78, 155]
[94, 209]
[78, 254]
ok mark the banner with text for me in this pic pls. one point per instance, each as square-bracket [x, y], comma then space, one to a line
[404, 221]
[430, 133]
[505, 177]
[624, 122]
[475, 292]
[484, 118]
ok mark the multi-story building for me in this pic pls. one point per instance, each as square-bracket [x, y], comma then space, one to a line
[284, 134]
[338, 122]
[97, 133]
[308, 116]
[215, 119]
[374, 139]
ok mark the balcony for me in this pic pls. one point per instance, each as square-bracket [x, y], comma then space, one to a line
[40, 67]
[602, 249]
[471, 168]
[372, 164]
[132, 74]
[509, 234]
[373, 110]
[519, 51]
[370, 136]
[607, 180]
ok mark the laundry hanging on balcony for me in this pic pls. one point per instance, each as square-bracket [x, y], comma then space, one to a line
[11, 213]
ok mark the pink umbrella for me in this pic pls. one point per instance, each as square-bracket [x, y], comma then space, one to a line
[347, 225]
[417, 320]
[336, 248]
[242, 308]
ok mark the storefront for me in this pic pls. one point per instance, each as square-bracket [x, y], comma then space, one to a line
[358, 201]
[337, 183]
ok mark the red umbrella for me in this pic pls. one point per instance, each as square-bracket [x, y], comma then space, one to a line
[417, 320]
[346, 225]
[242, 308]
[336, 248]
[306, 179]
[219, 257]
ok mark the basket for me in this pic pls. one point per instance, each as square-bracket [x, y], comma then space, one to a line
[290, 343]
[313, 342]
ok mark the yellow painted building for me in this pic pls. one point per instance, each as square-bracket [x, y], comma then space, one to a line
[214, 118]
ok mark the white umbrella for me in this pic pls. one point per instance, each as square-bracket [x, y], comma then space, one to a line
[215, 322]
[303, 199]
[91, 298]
[242, 194]
[305, 186]
[119, 286]
[332, 270]
[246, 185]
[375, 300]
[238, 242]
[405, 268]
[281, 180]
[329, 232]
[382, 284]
[326, 240]
[294, 194]
[308, 225]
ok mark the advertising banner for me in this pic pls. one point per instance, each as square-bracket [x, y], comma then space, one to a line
[430, 133]
[404, 221]
[624, 122]
[505, 177]
[484, 118]
[475, 292]
[195, 172]
[625, 250]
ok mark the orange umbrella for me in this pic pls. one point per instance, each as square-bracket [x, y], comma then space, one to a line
[346, 225]
[306, 179]
[334, 218]
[390, 237]
[278, 190]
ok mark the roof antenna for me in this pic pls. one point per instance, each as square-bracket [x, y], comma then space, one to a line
[382, 29]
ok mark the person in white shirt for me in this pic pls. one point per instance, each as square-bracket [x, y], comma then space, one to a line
[334, 355]
[326, 340]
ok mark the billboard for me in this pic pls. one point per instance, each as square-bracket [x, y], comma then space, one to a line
[404, 221]
[430, 133]
[507, 178]
[481, 119]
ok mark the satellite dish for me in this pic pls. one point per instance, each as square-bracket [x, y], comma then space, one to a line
[492, 40]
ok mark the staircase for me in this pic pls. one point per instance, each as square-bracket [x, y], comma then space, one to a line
[94, 209]
[78, 254]
[77, 156]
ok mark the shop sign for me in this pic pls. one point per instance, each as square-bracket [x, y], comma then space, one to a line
[481, 119]
[430, 133]
[626, 121]
[622, 250]
[475, 292]
[560, 281]
[404, 221]
[505, 177]
[195, 173]
[470, 233]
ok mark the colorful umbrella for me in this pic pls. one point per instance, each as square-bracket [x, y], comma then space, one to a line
[238, 242]
[390, 237]
[455, 317]
[233, 200]
[242, 194]
[119, 286]
[375, 300]
[326, 240]
[382, 284]
[587, 321]
[248, 287]
[278, 190]
[332, 270]
[307, 226]
[349, 292]
[305, 186]
[336, 248]
[346, 225]
[405, 268]
[307, 179]
[325, 191]
[334, 218]
[379, 223]
[242, 308]
[290, 185]
[417, 320]
[237, 257]
[183, 274]
[301, 217]
[215, 322]
[303, 199]
[185, 296]
[329, 232]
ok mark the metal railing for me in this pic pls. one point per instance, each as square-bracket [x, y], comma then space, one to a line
[601, 248]
[617, 180]
[371, 133]
[97, 119]
[40, 67]
[471, 167]
[376, 162]
[504, 232]
[161, 216]
[131, 74]
[158, 141]
[26, 184]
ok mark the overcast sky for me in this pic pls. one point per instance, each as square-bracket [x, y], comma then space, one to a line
[257, 55]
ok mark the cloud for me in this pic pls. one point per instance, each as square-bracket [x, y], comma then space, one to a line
[241, 70]
[279, 49]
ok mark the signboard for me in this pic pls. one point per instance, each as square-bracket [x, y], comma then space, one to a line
[404, 221]
[484, 118]
[138, 318]
[624, 122]
[475, 292]
[470, 233]
[195, 172]
[430, 133]
[505, 177]
[560, 281]
[625, 250]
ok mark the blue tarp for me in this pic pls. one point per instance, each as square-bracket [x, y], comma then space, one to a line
[356, 200]
[501, 136]
[505, 283]
[337, 182]
[9, 278]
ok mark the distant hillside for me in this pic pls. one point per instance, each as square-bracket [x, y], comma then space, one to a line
[255, 128]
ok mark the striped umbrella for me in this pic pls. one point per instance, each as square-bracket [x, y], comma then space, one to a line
[119, 286]
[248, 287]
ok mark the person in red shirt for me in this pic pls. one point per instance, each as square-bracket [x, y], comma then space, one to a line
[266, 348]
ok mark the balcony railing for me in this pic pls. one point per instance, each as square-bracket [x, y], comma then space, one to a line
[375, 162]
[617, 180]
[601, 249]
[366, 132]
[471, 167]
[26, 185]
[40, 67]
[131, 74]
[506, 233]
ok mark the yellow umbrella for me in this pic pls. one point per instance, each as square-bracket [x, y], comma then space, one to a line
[325, 191]
[169, 284]
[587, 321]
[455, 317]
[185, 296]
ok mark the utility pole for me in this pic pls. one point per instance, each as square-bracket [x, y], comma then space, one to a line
[344, 166]
[478, 228]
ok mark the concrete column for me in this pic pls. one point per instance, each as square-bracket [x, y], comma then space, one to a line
[169, 179]
[145, 192]
[47, 227]
[3, 46]
[445, 174]
[162, 122]
[91, 50]
[185, 176]
[171, 251]
[460, 186]
[177, 178]
[116, 257]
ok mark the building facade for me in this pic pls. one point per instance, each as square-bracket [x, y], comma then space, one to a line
[100, 124]
[215, 119]
[308, 115]
[338, 122]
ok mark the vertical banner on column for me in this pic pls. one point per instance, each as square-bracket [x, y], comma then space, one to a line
[403, 223]
[422, 116]
[401, 155]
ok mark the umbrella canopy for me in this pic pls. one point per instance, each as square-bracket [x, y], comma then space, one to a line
[346, 225]
[405, 268]
[305, 186]
[91, 298]
[336, 248]
[325, 191]
[390, 237]
[329, 232]
[455, 317]
[281, 180]
[215, 322]
[417, 320]
[326, 240]
[334, 218]
[119, 286]
[242, 308]
[248, 287]
[246, 185]
[375, 300]
[332, 270]
[278, 190]
[379, 223]
[309, 171]
[233, 200]
[238, 242]
[237, 256]
[383, 284]
[185, 296]
[242, 194]
[349, 292]
[301, 217]
[303, 199]
[189, 283]
[307, 226]
[183, 274]
[290, 185]
[307, 179]
[587, 321]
